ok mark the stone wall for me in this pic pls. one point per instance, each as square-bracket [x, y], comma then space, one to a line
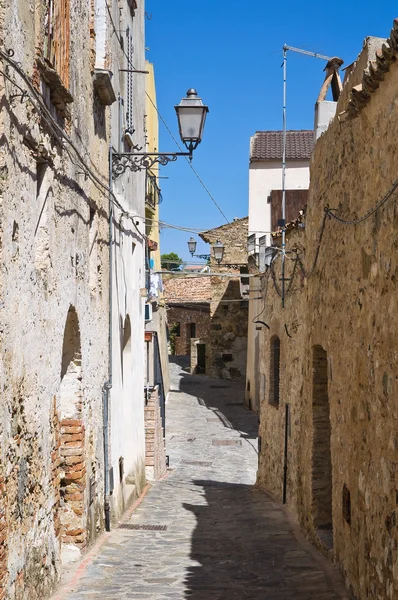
[185, 316]
[54, 260]
[338, 346]
[228, 308]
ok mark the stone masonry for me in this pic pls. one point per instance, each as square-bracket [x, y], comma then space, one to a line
[217, 536]
[227, 349]
[337, 408]
[54, 268]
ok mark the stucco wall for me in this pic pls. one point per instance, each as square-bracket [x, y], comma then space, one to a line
[347, 310]
[54, 237]
[264, 177]
[127, 393]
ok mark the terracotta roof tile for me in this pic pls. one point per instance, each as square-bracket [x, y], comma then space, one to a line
[187, 289]
[267, 145]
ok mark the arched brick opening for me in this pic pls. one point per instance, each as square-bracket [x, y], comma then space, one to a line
[72, 444]
[321, 451]
[274, 374]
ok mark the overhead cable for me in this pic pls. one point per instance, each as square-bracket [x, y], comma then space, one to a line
[187, 160]
[61, 136]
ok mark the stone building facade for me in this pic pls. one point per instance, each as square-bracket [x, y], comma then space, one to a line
[188, 310]
[227, 346]
[328, 360]
[67, 241]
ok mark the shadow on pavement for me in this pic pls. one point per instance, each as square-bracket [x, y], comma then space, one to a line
[245, 549]
[222, 396]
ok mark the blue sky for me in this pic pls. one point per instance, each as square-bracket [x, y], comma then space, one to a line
[230, 51]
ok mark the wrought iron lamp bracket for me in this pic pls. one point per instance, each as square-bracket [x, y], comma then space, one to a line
[202, 256]
[140, 161]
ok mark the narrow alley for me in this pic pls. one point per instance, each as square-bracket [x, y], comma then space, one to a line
[205, 532]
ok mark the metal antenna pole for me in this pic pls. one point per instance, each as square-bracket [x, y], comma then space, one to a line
[284, 177]
[307, 52]
[314, 55]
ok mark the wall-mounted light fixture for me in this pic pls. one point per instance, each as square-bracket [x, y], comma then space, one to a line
[191, 116]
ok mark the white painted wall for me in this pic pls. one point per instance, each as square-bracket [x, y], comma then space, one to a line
[127, 393]
[266, 176]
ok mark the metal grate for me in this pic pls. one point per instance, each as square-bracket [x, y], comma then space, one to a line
[136, 527]
[227, 442]
[197, 463]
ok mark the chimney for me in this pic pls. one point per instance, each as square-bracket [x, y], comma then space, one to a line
[326, 109]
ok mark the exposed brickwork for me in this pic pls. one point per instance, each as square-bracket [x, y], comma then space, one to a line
[185, 316]
[155, 452]
[73, 482]
[3, 540]
[55, 469]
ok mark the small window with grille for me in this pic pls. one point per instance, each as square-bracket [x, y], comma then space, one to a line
[274, 371]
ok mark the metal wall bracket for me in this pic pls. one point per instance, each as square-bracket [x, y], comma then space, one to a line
[140, 161]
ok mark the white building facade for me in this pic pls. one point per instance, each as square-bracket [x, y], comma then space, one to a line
[265, 176]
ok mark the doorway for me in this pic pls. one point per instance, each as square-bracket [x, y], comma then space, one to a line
[322, 484]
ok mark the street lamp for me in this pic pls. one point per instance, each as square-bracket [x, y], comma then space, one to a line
[192, 245]
[218, 250]
[191, 116]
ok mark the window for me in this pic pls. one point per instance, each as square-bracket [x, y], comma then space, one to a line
[192, 330]
[251, 243]
[244, 282]
[274, 371]
[57, 43]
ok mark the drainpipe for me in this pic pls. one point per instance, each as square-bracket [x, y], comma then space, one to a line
[108, 384]
[287, 417]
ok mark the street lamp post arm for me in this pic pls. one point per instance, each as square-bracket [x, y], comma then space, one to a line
[138, 161]
[202, 256]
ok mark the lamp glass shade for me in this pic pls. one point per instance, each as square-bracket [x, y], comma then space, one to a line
[192, 245]
[218, 249]
[191, 115]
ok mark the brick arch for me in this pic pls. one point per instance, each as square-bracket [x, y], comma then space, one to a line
[72, 444]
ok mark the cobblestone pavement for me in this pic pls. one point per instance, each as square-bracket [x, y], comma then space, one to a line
[222, 539]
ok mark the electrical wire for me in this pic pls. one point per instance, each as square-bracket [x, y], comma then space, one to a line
[63, 139]
[163, 120]
[369, 213]
[187, 160]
